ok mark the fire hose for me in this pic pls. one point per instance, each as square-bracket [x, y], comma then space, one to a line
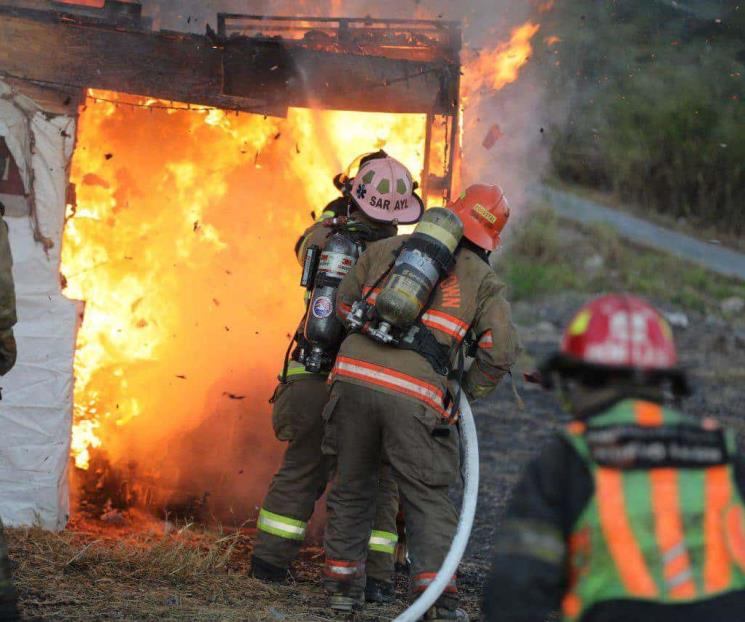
[470, 468]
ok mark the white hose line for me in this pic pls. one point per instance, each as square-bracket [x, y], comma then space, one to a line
[467, 513]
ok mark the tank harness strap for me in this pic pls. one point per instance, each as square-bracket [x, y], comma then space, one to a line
[421, 340]
[286, 364]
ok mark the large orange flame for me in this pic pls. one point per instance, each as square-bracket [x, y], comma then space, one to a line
[181, 247]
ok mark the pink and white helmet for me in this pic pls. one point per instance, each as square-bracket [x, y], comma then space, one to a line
[384, 190]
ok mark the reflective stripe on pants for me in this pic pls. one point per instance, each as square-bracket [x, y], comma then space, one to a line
[282, 526]
[421, 582]
[383, 541]
[343, 571]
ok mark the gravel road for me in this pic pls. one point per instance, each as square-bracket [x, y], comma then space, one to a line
[724, 261]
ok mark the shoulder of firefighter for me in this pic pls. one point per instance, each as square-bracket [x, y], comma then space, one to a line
[315, 235]
[357, 225]
[466, 302]
[622, 515]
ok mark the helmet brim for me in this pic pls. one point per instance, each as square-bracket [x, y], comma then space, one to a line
[475, 233]
[596, 374]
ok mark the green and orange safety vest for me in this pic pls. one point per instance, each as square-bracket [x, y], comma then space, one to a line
[666, 522]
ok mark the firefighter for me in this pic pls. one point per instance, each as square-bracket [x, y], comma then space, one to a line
[635, 511]
[394, 401]
[8, 607]
[300, 397]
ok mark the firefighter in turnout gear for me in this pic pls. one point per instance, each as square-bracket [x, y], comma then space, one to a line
[635, 511]
[8, 607]
[392, 399]
[300, 397]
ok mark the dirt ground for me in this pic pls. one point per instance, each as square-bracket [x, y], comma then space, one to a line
[160, 572]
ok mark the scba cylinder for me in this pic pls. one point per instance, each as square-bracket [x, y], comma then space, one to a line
[424, 258]
[322, 328]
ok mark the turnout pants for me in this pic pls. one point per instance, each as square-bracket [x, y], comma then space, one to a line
[423, 452]
[302, 478]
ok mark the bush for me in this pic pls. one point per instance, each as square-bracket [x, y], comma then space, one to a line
[656, 102]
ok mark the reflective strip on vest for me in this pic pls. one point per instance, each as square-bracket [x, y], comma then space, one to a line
[383, 541]
[735, 522]
[579, 548]
[668, 522]
[394, 380]
[282, 526]
[341, 570]
[648, 414]
[448, 324]
[717, 567]
[619, 536]
[486, 341]
[421, 582]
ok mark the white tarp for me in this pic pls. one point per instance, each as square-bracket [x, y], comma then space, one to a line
[36, 405]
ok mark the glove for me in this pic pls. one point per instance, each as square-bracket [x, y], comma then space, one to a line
[8, 351]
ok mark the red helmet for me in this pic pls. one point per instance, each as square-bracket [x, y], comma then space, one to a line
[484, 212]
[620, 331]
[617, 338]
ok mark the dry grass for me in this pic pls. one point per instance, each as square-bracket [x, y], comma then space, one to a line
[150, 573]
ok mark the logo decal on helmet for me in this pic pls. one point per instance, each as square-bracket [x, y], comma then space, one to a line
[484, 213]
[580, 323]
[361, 191]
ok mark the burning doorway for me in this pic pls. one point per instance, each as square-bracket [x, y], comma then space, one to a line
[180, 243]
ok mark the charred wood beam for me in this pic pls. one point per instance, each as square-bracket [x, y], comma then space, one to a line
[51, 48]
[239, 73]
[301, 77]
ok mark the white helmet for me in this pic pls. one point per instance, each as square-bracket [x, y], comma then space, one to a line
[384, 190]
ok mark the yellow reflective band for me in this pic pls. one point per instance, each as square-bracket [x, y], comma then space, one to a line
[282, 526]
[438, 233]
[325, 216]
[383, 541]
[295, 370]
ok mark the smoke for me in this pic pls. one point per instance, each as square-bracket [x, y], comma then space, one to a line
[519, 113]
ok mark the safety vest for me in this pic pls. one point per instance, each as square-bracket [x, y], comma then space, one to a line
[666, 522]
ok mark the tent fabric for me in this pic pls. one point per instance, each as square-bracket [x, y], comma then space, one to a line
[36, 405]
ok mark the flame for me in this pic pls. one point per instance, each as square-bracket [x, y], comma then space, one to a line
[181, 247]
[492, 69]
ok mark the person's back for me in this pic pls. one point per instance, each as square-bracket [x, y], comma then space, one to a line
[468, 298]
[636, 512]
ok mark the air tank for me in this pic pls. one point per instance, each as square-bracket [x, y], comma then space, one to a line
[322, 328]
[424, 258]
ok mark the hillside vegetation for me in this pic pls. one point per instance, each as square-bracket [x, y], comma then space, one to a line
[649, 98]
